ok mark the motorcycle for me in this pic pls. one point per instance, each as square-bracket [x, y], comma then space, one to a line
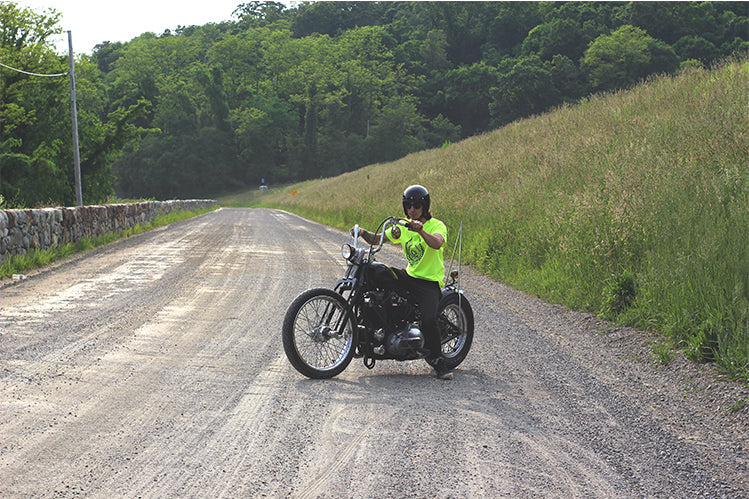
[324, 329]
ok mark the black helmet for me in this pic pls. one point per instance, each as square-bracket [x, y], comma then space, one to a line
[417, 193]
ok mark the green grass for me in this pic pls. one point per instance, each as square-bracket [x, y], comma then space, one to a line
[662, 352]
[737, 405]
[35, 258]
[631, 205]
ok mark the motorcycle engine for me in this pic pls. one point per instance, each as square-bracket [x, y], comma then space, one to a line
[405, 342]
[400, 309]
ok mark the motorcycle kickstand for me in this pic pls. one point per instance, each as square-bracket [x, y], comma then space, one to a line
[369, 362]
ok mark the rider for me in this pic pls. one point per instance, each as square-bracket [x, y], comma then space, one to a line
[423, 246]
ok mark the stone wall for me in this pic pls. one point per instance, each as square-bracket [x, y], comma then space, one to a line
[21, 230]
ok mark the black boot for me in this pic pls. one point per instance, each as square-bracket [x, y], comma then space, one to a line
[440, 368]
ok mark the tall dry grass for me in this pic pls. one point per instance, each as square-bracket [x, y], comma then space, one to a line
[633, 205]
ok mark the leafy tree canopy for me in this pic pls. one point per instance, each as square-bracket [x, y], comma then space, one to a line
[285, 94]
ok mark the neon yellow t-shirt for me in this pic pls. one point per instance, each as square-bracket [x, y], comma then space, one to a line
[423, 262]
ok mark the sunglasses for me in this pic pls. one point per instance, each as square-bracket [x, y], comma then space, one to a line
[407, 205]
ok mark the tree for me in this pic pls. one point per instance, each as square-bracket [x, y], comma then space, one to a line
[663, 58]
[432, 50]
[242, 59]
[102, 143]
[440, 131]
[467, 96]
[398, 125]
[23, 28]
[525, 86]
[560, 36]
[258, 13]
[624, 57]
[311, 124]
[213, 86]
[510, 26]
[695, 47]
[263, 131]
[567, 78]
[334, 18]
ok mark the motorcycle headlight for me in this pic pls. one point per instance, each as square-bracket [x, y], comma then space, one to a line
[348, 252]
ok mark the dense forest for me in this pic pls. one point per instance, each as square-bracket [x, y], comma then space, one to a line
[282, 94]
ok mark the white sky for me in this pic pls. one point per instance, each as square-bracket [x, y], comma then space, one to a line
[95, 21]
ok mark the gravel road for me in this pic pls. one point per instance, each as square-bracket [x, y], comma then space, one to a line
[153, 367]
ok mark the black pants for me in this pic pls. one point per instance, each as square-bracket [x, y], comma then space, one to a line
[426, 294]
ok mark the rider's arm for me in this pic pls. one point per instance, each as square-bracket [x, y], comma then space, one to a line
[371, 237]
[434, 241]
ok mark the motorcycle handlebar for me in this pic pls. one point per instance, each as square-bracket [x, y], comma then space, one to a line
[385, 224]
[356, 229]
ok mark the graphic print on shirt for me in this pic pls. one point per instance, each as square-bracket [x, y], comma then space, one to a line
[414, 251]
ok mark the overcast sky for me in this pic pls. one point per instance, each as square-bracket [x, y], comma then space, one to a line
[95, 21]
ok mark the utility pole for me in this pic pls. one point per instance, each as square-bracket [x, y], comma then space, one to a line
[74, 112]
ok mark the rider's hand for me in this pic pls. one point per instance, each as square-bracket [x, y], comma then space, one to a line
[415, 226]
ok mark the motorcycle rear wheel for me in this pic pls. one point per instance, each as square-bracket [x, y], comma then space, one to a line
[455, 319]
[319, 336]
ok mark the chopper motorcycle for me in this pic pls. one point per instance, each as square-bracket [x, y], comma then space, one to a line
[324, 329]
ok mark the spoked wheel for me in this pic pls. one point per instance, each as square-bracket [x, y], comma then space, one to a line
[455, 319]
[319, 336]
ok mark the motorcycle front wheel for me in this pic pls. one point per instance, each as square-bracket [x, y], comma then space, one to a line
[319, 336]
[455, 319]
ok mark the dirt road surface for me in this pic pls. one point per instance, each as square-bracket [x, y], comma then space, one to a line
[153, 367]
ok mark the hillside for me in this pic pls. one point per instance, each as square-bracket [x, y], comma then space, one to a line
[631, 205]
[317, 89]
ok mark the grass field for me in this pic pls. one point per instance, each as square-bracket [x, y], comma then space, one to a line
[632, 205]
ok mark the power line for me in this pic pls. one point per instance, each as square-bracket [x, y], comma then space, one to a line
[31, 74]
